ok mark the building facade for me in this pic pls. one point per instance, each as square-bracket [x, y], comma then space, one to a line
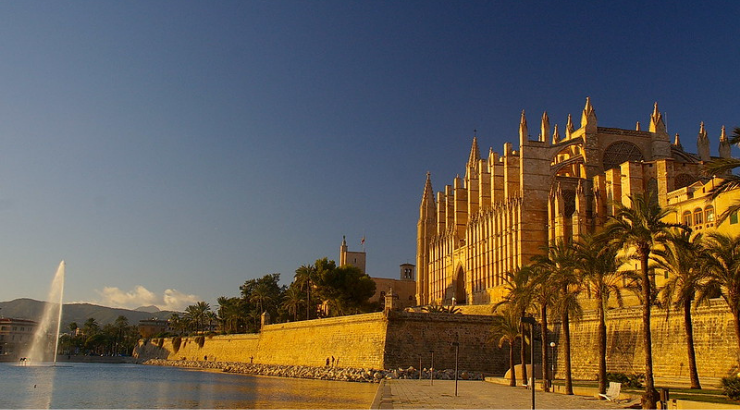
[510, 205]
[16, 337]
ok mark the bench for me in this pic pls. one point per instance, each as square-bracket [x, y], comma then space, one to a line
[612, 393]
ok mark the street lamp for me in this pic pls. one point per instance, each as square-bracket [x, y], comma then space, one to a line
[552, 362]
[531, 322]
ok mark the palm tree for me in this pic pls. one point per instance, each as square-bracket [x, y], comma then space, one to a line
[261, 296]
[597, 270]
[724, 273]
[518, 296]
[293, 300]
[542, 294]
[505, 329]
[197, 313]
[723, 168]
[682, 257]
[640, 227]
[306, 275]
[559, 260]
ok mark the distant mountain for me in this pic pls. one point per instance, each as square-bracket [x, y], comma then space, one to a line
[148, 309]
[77, 312]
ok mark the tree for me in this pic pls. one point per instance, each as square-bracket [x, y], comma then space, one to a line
[640, 227]
[518, 287]
[345, 289]
[305, 277]
[90, 327]
[196, 314]
[505, 329]
[559, 260]
[724, 274]
[232, 313]
[597, 266]
[543, 293]
[263, 294]
[293, 300]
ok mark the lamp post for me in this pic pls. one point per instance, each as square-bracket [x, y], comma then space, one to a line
[457, 348]
[431, 370]
[531, 322]
[552, 362]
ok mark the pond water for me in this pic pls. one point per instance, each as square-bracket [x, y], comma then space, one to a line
[86, 386]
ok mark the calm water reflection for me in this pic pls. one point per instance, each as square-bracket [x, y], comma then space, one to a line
[83, 385]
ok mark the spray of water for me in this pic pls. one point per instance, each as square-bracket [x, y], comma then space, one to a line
[48, 331]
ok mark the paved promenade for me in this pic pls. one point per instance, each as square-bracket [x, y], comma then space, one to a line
[416, 394]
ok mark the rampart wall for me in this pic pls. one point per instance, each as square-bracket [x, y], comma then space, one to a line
[714, 341]
[376, 341]
[401, 339]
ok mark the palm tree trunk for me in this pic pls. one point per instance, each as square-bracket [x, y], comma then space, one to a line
[545, 362]
[650, 398]
[566, 348]
[523, 355]
[602, 343]
[512, 371]
[736, 315]
[690, 345]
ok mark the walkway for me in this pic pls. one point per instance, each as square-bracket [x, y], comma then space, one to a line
[420, 394]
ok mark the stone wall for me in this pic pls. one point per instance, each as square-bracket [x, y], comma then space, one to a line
[413, 336]
[373, 341]
[714, 337]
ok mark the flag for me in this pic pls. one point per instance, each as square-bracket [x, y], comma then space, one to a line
[363, 240]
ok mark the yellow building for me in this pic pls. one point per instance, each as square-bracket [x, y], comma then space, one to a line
[508, 206]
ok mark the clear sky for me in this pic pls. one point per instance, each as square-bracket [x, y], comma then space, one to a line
[168, 151]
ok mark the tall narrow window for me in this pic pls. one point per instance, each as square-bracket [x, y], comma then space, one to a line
[686, 218]
[698, 216]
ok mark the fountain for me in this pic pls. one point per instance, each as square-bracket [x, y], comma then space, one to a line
[53, 311]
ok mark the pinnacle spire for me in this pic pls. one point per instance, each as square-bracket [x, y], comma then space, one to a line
[555, 135]
[474, 152]
[724, 145]
[523, 132]
[656, 120]
[588, 117]
[545, 128]
[569, 127]
[723, 134]
[702, 143]
[677, 142]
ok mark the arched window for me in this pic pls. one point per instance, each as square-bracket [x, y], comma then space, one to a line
[686, 218]
[709, 214]
[698, 216]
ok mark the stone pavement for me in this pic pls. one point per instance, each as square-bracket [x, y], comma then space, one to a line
[420, 394]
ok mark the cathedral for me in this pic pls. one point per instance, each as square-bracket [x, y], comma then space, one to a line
[508, 206]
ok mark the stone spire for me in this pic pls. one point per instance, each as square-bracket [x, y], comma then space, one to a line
[638, 127]
[569, 127]
[523, 132]
[677, 142]
[474, 153]
[702, 144]
[545, 128]
[555, 135]
[724, 145]
[656, 121]
[588, 117]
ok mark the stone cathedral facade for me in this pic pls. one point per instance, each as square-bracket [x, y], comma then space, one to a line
[508, 206]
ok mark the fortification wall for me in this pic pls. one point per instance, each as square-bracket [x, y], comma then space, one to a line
[373, 341]
[412, 336]
[354, 341]
[714, 340]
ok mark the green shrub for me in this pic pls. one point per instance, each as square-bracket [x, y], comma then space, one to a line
[627, 380]
[176, 341]
[200, 340]
[731, 387]
[160, 343]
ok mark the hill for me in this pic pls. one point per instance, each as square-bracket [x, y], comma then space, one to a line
[76, 312]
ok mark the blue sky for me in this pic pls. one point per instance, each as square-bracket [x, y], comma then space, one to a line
[168, 151]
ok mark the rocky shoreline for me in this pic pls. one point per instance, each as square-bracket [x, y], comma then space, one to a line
[320, 373]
